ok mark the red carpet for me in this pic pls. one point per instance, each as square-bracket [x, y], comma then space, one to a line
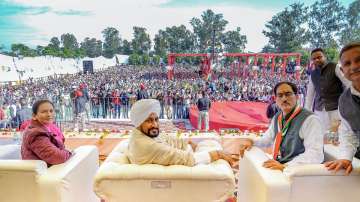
[241, 115]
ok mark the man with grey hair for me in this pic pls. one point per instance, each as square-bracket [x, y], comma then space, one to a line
[148, 146]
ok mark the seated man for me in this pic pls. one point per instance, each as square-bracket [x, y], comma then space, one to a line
[297, 133]
[349, 108]
[146, 146]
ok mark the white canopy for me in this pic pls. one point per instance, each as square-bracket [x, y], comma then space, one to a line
[13, 68]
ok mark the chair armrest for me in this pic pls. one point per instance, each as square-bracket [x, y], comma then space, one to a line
[23, 166]
[315, 170]
[118, 153]
[259, 184]
[72, 180]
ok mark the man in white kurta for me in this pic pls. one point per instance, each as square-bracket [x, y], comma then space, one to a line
[297, 134]
[148, 146]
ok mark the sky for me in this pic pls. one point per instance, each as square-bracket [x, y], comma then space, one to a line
[34, 22]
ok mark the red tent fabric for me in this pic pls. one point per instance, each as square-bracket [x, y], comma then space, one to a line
[242, 115]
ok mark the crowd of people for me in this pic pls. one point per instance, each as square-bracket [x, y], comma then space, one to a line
[296, 133]
[109, 93]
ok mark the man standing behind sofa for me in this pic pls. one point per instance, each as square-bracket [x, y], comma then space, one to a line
[324, 89]
[203, 105]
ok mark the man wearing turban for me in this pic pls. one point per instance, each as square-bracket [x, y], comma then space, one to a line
[148, 146]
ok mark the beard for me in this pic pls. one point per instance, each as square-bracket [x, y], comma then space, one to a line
[152, 132]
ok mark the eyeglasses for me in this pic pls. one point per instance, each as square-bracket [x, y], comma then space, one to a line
[286, 94]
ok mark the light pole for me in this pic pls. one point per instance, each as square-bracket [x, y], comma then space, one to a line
[213, 46]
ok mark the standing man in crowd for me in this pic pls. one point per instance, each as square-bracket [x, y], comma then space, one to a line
[325, 86]
[203, 105]
[296, 132]
[349, 107]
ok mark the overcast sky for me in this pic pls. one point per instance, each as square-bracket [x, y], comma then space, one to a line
[34, 22]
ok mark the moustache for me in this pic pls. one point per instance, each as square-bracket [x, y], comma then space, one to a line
[355, 71]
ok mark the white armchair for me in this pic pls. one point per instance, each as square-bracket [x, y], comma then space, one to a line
[32, 181]
[310, 183]
[119, 181]
[10, 151]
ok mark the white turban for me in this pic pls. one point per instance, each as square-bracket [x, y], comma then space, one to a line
[142, 109]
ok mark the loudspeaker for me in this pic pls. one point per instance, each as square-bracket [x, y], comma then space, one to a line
[88, 66]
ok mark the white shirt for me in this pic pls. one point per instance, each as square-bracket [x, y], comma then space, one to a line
[311, 132]
[310, 94]
[349, 142]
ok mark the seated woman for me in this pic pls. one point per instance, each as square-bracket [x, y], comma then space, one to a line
[42, 139]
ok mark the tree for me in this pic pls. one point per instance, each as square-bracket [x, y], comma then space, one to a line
[268, 49]
[54, 43]
[234, 41]
[126, 48]
[134, 59]
[112, 42]
[145, 59]
[92, 47]
[156, 59]
[351, 31]
[23, 50]
[205, 27]
[175, 40]
[161, 45]
[286, 30]
[69, 42]
[325, 19]
[39, 50]
[141, 42]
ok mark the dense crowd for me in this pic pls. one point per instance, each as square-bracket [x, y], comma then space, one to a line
[109, 93]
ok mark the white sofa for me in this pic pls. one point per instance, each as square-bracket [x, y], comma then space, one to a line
[32, 181]
[303, 183]
[10, 151]
[119, 181]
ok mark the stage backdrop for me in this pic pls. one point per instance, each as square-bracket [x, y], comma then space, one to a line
[242, 115]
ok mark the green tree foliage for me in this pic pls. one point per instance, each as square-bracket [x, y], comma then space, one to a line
[205, 27]
[69, 42]
[175, 39]
[134, 59]
[351, 31]
[286, 30]
[23, 50]
[141, 42]
[234, 41]
[126, 48]
[161, 46]
[145, 59]
[326, 18]
[92, 47]
[112, 42]
[156, 59]
[54, 43]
